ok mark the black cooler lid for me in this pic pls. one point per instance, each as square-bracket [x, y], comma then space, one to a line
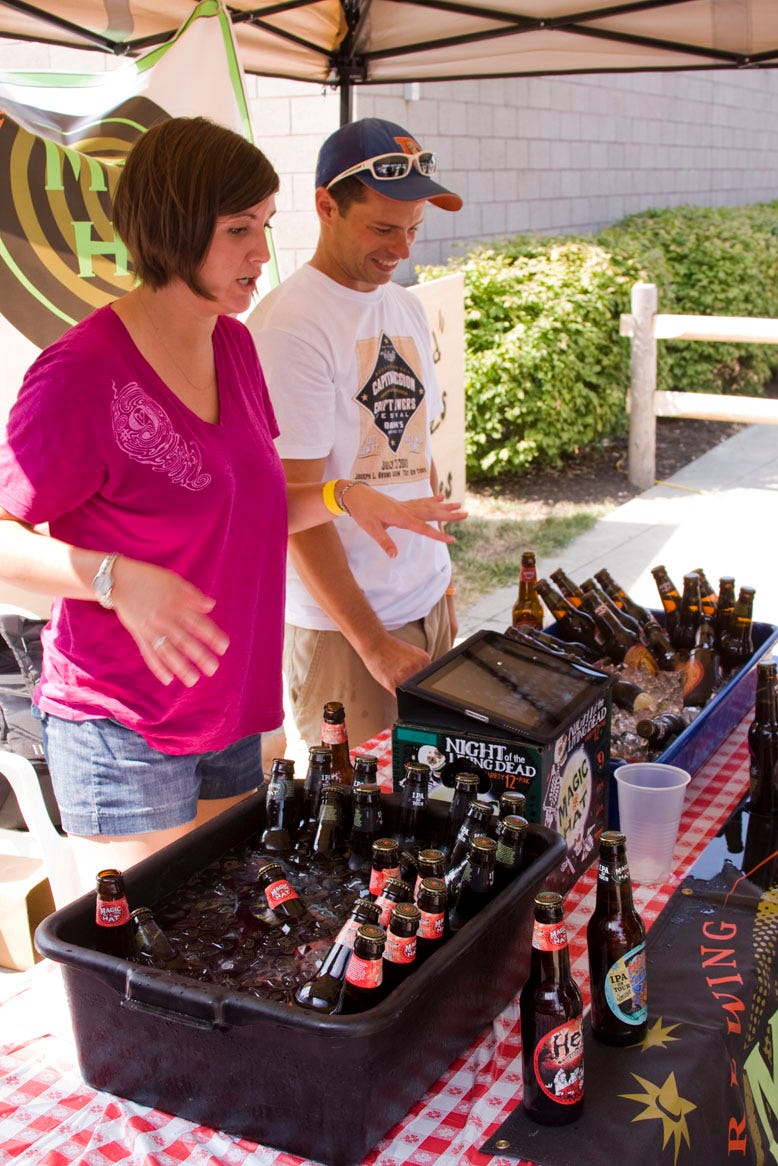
[497, 681]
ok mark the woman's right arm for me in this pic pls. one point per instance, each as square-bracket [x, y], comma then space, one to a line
[150, 601]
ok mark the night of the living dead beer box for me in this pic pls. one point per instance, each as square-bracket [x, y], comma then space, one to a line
[523, 720]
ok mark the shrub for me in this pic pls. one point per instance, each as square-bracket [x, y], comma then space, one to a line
[546, 373]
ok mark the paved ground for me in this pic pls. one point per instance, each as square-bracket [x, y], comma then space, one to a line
[720, 513]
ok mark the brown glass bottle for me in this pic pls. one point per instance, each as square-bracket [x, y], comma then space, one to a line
[280, 808]
[385, 864]
[573, 623]
[670, 597]
[627, 621]
[150, 944]
[323, 991]
[367, 825]
[571, 591]
[737, 644]
[660, 647]
[512, 801]
[278, 892]
[701, 669]
[685, 632]
[335, 734]
[395, 890]
[509, 856]
[616, 640]
[413, 823]
[725, 605]
[551, 1022]
[330, 845]
[365, 769]
[318, 775]
[112, 916]
[616, 942]
[465, 792]
[433, 927]
[763, 743]
[527, 609]
[477, 820]
[708, 597]
[621, 598]
[400, 946]
[363, 984]
[430, 864]
[572, 650]
[660, 731]
[629, 696]
[476, 887]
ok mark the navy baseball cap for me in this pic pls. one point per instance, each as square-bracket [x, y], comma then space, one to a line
[400, 168]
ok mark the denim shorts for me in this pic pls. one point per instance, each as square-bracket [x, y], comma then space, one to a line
[108, 780]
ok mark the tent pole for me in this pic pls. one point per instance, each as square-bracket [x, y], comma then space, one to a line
[346, 99]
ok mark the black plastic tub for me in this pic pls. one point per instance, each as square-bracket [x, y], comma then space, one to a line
[323, 1088]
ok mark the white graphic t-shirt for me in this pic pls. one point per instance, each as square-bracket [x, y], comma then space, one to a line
[352, 380]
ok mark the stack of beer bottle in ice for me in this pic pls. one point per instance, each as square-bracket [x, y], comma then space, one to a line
[340, 895]
[666, 672]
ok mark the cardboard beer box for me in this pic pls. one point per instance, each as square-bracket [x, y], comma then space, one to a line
[522, 719]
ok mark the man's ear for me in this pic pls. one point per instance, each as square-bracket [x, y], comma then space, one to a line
[326, 207]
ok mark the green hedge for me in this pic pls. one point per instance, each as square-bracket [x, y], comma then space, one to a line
[546, 371]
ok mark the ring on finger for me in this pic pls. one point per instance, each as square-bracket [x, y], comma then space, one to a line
[158, 643]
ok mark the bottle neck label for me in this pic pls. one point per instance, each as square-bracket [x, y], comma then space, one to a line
[431, 926]
[112, 912]
[625, 986]
[549, 936]
[400, 949]
[618, 873]
[378, 879]
[558, 1062]
[348, 933]
[281, 891]
[364, 973]
[386, 910]
[333, 734]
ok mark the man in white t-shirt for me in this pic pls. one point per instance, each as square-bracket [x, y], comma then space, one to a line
[348, 360]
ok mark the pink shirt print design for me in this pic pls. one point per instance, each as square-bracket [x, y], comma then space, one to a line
[144, 431]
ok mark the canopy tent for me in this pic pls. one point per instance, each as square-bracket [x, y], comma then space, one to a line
[347, 42]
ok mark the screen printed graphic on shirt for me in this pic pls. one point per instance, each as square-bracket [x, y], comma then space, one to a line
[144, 431]
[393, 417]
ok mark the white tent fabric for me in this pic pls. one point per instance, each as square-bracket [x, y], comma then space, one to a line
[342, 42]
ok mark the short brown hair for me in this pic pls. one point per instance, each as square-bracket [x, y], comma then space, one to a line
[178, 179]
[347, 191]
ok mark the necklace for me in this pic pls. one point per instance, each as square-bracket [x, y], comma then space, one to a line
[198, 388]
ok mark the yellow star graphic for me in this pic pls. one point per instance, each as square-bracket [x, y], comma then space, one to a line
[663, 1103]
[658, 1036]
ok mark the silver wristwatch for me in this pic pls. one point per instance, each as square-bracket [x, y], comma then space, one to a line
[103, 581]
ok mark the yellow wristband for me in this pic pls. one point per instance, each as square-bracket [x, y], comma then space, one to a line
[450, 591]
[328, 498]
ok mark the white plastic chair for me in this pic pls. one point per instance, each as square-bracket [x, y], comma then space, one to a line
[43, 840]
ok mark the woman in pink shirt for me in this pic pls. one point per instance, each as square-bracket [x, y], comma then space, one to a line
[144, 439]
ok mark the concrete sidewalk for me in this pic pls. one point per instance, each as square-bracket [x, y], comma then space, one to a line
[719, 513]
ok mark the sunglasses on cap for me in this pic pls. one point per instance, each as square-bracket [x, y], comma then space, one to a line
[388, 167]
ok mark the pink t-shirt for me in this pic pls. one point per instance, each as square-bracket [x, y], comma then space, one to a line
[98, 446]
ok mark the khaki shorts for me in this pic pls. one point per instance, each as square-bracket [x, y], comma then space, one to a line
[321, 666]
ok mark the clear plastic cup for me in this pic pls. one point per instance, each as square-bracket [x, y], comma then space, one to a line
[651, 797]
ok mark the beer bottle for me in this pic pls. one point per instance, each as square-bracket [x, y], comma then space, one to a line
[476, 887]
[670, 597]
[465, 793]
[400, 946]
[572, 593]
[571, 650]
[329, 844]
[365, 769]
[627, 621]
[430, 864]
[279, 894]
[551, 1022]
[150, 944]
[527, 609]
[660, 731]
[363, 985]
[701, 669]
[689, 615]
[323, 991]
[396, 890]
[616, 640]
[616, 942]
[368, 825]
[335, 734]
[622, 598]
[477, 820]
[725, 605]
[433, 930]
[112, 915]
[318, 775]
[573, 624]
[413, 827]
[708, 598]
[385, 865]
[512, 801]
[277, 836]
[763, 743]
[660, 647]
[508, 858]
[737, 645]
[628, 696]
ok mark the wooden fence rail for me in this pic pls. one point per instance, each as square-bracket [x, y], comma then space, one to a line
[644, 326]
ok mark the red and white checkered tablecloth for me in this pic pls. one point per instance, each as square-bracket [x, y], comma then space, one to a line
[49, 1117]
